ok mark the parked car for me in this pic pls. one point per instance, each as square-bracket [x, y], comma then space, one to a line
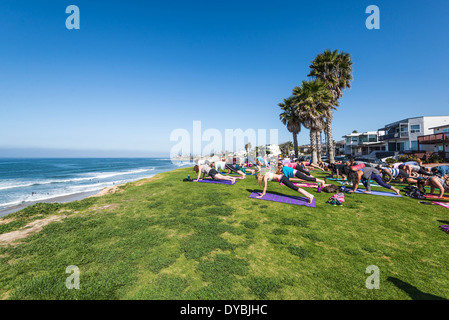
[341, 158]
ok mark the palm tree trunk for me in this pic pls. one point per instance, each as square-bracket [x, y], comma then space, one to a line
[313, 145]
[295, 144]
[330, 140]
[318, 145]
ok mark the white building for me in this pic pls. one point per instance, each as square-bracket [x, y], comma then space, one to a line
[273, 149]
[403, 135]
[357, 144]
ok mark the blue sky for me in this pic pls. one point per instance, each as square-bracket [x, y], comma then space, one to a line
[137, 70]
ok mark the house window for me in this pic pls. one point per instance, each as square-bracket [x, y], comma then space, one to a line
[415, 128]
[414, 145]
[372, 138]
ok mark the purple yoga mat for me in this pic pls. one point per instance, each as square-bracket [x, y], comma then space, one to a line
[284, 199]
[216, 181]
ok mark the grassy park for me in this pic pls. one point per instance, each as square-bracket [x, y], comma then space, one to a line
[163, 238]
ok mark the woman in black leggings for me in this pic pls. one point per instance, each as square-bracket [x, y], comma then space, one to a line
[269, 176]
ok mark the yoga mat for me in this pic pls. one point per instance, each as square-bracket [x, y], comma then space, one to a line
[432, 196]
[443, 204]
[284, 199]
[360, 184]
[216, 181]
[376, 193]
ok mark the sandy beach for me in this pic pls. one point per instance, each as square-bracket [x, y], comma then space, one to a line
[63, 199]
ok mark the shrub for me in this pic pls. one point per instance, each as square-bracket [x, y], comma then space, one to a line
[407, 157]
[435, 158]
[391, 160]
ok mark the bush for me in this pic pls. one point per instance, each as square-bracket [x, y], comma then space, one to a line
[391, 160]
[435, 158]
[406, 158]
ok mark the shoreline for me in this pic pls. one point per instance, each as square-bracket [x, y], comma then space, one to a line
[71, 197]
[59, 199]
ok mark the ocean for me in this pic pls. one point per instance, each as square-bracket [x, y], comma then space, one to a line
[26, 181]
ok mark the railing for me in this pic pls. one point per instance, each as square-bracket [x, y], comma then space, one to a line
[389, 136]
[432, 138]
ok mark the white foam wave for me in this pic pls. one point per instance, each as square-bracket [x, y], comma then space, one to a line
[95, 176]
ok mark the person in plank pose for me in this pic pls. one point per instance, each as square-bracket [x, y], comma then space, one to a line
[294, 173]
[435, 182]
[339, 169]
[281, 178]
[234, 168]
[207, 170]
[411, 168]
[365, 175]
[394, 173]
[442, 171]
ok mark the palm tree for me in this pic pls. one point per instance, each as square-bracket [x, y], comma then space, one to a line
[313, 102]
[291, 120]
[335, 69]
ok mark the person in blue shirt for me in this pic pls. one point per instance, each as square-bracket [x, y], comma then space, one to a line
[441, 170]
[293, 173]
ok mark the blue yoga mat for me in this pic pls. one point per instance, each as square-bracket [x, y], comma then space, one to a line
[284, 199]
[375, 193]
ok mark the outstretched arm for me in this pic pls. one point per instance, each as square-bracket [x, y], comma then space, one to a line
[440, 187]
[199, 172]
[264, 187]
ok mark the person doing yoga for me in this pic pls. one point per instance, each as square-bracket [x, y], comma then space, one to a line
[298, 166]
[270, 176]
[237, 168]
[364, 175]
[410, 168]
[206, 170]
[393, 173]
[441, 171]
[293, 173]
[435, 182]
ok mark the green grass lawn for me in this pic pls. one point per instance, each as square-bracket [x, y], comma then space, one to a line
[169, 239]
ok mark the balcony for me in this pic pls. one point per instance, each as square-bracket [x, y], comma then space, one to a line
[397, 135]
[433, 138]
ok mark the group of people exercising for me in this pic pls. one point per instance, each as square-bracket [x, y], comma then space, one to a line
[412, 172]
[286, 171]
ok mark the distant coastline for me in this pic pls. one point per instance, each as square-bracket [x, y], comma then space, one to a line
[110, 172]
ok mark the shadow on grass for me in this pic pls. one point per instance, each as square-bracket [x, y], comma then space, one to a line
[412, 291]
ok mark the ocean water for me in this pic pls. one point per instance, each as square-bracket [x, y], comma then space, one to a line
[29, 180]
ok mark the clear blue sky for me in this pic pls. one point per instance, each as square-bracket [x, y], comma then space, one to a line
[136, 70]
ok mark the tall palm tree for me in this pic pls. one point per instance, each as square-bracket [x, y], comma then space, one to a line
[335, 69]
[313, 102]
[291, 120]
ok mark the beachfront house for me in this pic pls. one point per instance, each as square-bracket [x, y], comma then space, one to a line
[403, 135]
[438, 141]
[359, 144]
